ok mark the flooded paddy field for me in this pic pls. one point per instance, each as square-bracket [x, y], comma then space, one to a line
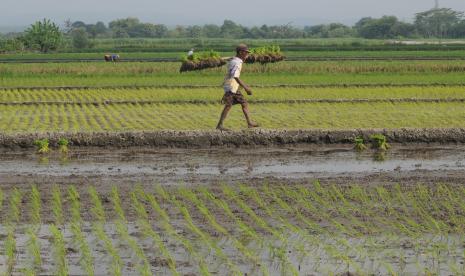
[293, 210]
[196, 166]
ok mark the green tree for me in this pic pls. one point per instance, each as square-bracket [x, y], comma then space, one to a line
[100, 28]
[211, 30]
[161, 30]
[437, 22]
[80, 38]
[43, 35]
[14, 44]
[458, 31]
[229, 29]
[125, 23]
[403, 29]
[378, 28]
[194, 31]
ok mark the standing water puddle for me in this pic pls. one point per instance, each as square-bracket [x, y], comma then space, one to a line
[179, 165]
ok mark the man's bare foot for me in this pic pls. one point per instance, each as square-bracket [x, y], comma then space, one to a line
[252, 125]
[221, 128]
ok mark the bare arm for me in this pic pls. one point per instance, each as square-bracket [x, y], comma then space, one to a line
[245, 86]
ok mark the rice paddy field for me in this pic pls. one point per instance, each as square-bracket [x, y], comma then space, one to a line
[277, 210]
[269, 230]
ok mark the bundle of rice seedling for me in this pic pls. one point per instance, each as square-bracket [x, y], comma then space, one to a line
[266, 54]
[199, 61]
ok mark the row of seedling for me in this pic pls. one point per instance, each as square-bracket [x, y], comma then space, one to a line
[200, 61]
[320, 229]
[378, 141]
[212, 59]
[266, 54]
[43, 145]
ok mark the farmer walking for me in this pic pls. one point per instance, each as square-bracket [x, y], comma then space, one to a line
[231, 85]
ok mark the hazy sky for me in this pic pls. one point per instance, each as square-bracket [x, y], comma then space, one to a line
[187, 12]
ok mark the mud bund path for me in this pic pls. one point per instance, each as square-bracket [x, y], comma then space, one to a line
[255, 137]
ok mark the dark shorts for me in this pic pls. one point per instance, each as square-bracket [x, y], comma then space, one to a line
[230, 98]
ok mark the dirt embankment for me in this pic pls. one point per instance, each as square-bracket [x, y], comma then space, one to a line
[213, 138]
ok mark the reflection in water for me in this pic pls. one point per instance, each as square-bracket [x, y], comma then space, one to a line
[43, 160]
[379, 156]
[258, 162]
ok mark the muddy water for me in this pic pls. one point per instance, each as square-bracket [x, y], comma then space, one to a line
[177, 165]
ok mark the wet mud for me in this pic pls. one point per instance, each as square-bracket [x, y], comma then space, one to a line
[214, 138]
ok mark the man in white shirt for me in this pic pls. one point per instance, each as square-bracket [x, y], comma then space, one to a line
[190, 54]
[231, 85]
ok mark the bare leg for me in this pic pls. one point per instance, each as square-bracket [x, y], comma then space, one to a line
[245, 109]
[224, 114]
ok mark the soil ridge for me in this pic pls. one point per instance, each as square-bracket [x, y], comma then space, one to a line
[213, 138]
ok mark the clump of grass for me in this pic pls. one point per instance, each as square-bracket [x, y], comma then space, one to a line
[63, 145]
[265, 54]
[59, 251]
[379, 142]
[42, 146]
[199, 61]
[359, 143]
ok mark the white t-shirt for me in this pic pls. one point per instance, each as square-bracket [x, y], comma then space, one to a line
[234, 71]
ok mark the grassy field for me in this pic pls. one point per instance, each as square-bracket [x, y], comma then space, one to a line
[262, 230]
[291, 54]
[180, 116]
[287, 73]
[191, 101]
[213, 95]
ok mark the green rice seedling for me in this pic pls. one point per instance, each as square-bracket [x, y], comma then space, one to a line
[42, 146]
[121, 228]
[379, 142]
[307, 239]
[404, 201]
[301, 200]
[98, 229]
[116, 200]
[59, 251]
[117, 262]
[169, 229]
[205, 237]
[265, 54]
[153, 116]
[80, 241]
[35, 205]
[359, 143]
[10, 226]
[34, 249]
[199, 204]
[287, 265]
[33, 243]
[200, 61]
[10, 251]
[311, 224]
[307, 196]
[15, 206]
[74, 198]
[248, 232]
[230, 193]
[57, 205]
[63, 145]
[97, 208]
[149, 232]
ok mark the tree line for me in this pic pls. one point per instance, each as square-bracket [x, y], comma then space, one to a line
[46, 35]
